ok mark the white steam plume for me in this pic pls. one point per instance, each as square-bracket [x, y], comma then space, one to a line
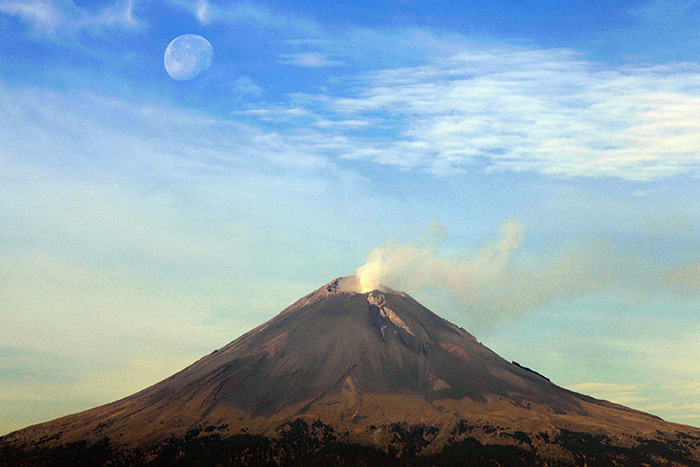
[488, 284]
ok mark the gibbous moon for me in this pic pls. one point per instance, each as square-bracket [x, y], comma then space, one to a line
[187, 56]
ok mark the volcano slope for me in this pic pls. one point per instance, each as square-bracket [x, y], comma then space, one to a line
[348, 378]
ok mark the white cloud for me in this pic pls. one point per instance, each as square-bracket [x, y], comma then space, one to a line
[639, 354]
[524, 110]
[203, 11]
[245, 87]
[669, 357]
[44, 16]
[625, 394]
[248, 12]
[685, 278]
[61, 18]
[277, 114]
[356, 124]
[84, 127]
[309, 60]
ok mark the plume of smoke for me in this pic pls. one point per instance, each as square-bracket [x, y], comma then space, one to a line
[488, 285]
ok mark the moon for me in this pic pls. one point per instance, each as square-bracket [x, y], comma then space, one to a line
[187, 56]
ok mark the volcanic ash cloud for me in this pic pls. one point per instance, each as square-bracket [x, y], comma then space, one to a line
[488, 284]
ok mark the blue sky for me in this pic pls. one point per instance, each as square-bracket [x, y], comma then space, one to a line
[537, 163]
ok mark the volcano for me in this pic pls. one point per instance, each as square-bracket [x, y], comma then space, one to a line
[345, 377]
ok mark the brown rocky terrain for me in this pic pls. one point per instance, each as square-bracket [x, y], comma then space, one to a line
[349, 378]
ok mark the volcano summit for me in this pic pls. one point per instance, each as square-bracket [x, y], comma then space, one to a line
[343, 377]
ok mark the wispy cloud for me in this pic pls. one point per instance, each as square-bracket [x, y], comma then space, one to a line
[671, 364]
[356, 124]
[250, 13]
[61, 18]
[203, 11]
[626, 394]
[43, 16]
[85, 126]
[245, 87]
[685, 278]
[525, 110]
[309, 60]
